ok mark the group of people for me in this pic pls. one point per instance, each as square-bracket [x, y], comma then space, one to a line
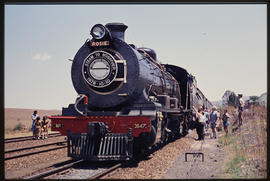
[39, 127]
[206, 119]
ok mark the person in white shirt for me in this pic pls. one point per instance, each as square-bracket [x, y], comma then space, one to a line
[207, 116]
[34, 119]
[200, 123]
[240, 108]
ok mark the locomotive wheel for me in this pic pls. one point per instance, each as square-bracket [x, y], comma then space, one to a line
[183, 129]
[176, 128]
[137, 149]
[145, 141]
[164, 135]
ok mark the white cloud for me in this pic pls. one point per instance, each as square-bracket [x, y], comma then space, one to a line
[42, 57]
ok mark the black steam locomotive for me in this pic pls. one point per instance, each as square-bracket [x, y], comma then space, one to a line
[127, 99]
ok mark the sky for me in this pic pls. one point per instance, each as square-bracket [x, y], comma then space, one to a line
[223, 46]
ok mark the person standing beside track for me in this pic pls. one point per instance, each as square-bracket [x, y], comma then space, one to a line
[45, 124]
[225, 118]
[214, 115]
[34, 119]
[240, 108]
[38, 127]
[207, 116]
[200, 123]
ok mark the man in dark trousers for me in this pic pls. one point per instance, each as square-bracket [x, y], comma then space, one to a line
[34, 119]
[200, 123]
[214, 116]
[240, 108]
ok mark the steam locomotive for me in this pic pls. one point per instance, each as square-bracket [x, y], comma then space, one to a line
[127, 100]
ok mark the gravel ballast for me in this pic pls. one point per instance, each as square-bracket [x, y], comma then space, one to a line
[25, 166]
[156, 165]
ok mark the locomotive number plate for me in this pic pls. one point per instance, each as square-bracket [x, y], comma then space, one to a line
[140, 126]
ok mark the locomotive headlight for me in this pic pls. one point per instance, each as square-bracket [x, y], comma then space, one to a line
[98, 31]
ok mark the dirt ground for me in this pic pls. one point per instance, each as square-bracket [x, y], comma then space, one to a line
[240, 155]
[198, 166]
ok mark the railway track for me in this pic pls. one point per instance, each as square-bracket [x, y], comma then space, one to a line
[79, 163]
[38, 146]
[81, 169]
[109, 170]
[26, 138]
[91, 170]
[35, 152]
[54, 171]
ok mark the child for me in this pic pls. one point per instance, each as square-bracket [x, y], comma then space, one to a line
[38, 128]
[45, 124]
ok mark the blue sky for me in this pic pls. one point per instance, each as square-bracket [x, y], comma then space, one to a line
[224, 46]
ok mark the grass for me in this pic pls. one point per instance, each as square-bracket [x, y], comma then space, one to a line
[234, 156]
[226, 140]
[233, 167]
[246, 148]
[19, 127]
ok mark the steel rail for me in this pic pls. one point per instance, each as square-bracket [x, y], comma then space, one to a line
[33, 153]
[96, 176]
[105, 172]
[32, 147]
[135, 159]
[53, 171]
[7, 139]
[11, 140]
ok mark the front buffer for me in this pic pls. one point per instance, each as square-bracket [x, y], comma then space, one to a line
[100, 138]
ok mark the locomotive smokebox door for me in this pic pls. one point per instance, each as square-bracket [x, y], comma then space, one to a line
[96, 129]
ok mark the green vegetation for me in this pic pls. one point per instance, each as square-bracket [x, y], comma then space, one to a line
[232, 99]
[226, 140]
[18, 127]
[246, 148]
[233, 167]
[236, 156]
[254, 98]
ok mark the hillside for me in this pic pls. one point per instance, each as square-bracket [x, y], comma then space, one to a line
[16, 116]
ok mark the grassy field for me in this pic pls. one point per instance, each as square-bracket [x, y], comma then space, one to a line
[18, 121]
[246, 147]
